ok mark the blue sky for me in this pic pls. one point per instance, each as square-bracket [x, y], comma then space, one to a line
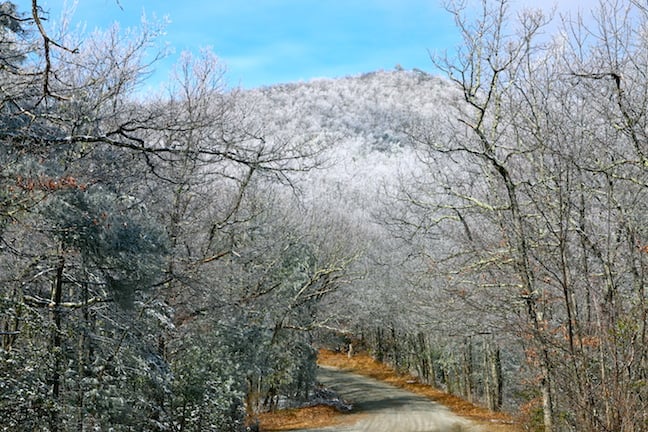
[263, 42]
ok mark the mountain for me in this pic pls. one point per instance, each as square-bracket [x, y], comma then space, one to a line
[364, 122]
[369, 110]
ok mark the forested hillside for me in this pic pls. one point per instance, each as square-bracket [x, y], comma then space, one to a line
[172, 261]
[368, 156]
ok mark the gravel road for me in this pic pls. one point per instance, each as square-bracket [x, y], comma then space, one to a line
[386, 408]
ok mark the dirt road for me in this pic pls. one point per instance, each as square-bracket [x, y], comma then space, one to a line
[386, 408]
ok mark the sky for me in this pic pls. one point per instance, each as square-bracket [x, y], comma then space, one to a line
[265, 42]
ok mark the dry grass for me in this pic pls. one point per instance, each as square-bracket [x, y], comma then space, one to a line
[305, 418]
[363, 364]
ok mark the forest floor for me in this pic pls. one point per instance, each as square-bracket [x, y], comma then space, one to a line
[322, 416]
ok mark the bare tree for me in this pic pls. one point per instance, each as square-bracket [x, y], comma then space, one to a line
[538, 184]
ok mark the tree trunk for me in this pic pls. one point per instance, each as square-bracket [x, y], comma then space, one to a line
[493, 382]
[380, 349]
[467, 370]
[57, 344]
[547, 404]
[424, 360]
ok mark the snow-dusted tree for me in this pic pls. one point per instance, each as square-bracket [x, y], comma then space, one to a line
[533, 210]
[79, 252]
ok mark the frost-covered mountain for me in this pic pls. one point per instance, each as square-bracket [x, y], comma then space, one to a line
[369, 110]
[364, 120]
